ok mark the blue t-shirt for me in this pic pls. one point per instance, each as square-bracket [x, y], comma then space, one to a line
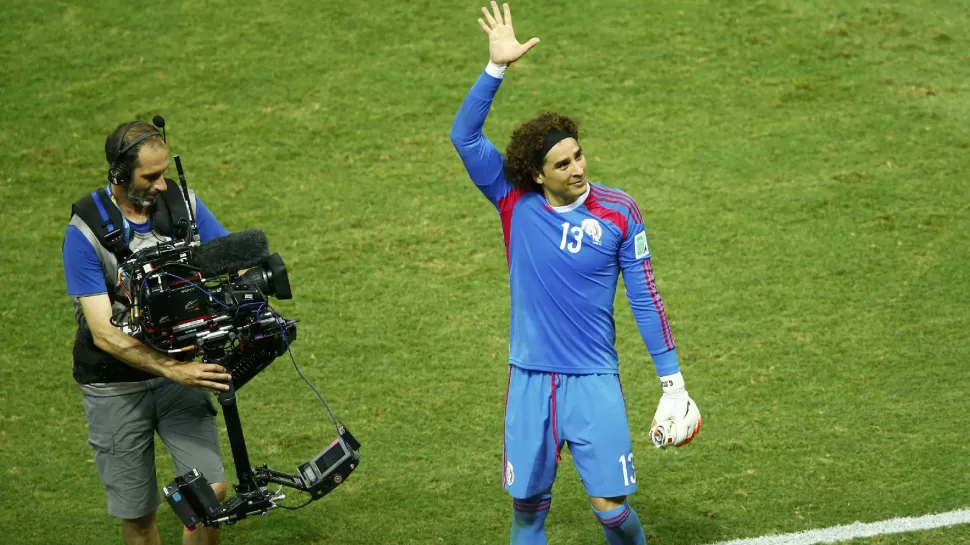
[564, 262]
[82, 269]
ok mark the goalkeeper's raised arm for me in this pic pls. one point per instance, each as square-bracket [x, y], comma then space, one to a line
[481, 158]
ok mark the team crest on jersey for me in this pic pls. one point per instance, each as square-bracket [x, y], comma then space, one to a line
[592, 228]
[509, 474]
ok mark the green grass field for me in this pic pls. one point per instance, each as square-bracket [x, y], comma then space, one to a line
[803, 168]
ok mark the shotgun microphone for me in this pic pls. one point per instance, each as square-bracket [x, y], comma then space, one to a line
[231, 253]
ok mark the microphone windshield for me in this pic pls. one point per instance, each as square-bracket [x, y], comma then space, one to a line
[231, 253]
[159, 121]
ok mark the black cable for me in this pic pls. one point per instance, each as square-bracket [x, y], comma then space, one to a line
[279, 322]
[301, 506]
[160, 240]
[115, 316]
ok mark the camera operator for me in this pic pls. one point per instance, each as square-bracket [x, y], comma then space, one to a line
[130, 390]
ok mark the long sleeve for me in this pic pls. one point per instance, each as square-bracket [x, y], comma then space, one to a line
[482, 160]
[645, 302]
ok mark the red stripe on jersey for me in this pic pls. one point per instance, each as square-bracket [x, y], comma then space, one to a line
[505, 206]
[625, 214]
[657, 303]
[611, 195]
[608, 214]
[623, 198]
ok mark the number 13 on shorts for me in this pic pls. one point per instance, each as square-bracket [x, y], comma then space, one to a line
[629, 472]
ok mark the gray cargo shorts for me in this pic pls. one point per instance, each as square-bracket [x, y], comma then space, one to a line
[121, 429]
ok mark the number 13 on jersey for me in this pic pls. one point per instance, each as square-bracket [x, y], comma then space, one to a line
[572, 239]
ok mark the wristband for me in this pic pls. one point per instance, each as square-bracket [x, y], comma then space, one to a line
[496, 70]
[672, 383]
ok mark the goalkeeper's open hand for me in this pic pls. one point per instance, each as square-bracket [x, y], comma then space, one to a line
[503, 48]
[677, 419]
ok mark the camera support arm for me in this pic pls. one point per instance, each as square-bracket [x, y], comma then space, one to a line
[193, 500]
[237, 442]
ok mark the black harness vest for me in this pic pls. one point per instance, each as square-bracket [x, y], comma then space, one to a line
[170, 217]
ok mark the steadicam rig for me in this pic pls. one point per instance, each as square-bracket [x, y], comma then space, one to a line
[210, 301]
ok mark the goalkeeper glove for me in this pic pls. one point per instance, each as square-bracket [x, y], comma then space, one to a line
[677, 419]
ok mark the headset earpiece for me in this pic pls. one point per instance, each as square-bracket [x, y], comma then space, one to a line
[119, 173]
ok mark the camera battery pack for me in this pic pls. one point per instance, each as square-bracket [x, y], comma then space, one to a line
[200, 494]
[180, 505]
[192, 499]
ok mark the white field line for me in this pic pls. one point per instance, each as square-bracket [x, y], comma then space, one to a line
[856, 530]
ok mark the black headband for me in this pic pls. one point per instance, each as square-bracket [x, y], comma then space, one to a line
[550, 142]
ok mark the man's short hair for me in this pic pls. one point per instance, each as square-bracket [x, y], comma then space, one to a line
[130, 131]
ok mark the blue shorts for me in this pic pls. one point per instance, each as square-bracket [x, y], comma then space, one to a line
[588, 413]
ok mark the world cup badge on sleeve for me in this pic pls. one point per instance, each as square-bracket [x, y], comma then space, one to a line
[641, 244]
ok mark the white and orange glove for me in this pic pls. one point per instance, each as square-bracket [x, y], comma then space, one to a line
[677, 419]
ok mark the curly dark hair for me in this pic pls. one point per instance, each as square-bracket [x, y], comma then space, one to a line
[527, 141]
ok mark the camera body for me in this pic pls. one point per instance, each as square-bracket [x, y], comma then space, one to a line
[185, 307]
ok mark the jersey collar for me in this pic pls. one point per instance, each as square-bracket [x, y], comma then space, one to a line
[574, 205]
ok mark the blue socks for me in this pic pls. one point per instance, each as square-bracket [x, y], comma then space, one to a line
[621, 526]
[529, 520]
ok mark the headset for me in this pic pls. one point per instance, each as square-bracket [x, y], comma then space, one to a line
[119, 172]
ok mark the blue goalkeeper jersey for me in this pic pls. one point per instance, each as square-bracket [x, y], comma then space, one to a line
[564, 262]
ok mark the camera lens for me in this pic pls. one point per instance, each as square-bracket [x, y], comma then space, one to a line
[277, 279]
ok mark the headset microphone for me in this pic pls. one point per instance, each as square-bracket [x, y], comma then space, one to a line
[159, 122]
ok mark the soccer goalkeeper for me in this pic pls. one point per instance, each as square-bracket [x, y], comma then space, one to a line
[567, 240]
